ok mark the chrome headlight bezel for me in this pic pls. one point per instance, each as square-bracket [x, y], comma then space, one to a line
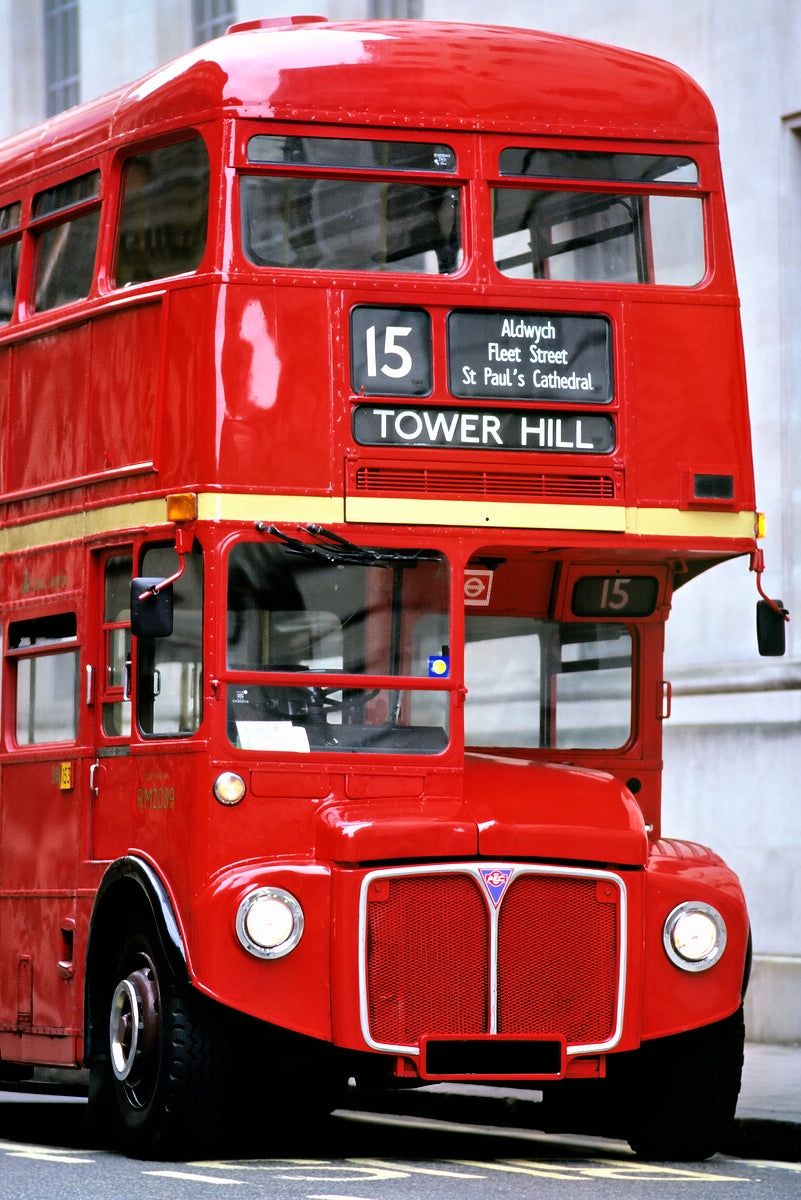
[266, 904]
[677, 931]
[229, 788]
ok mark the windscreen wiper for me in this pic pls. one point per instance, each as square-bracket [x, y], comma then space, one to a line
[336, 549]
[296, 546]
[363, 554]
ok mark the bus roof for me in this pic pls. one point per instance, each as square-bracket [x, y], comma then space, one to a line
[408, 74]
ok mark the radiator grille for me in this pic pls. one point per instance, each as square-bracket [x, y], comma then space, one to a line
[425, 481]
[429, 964]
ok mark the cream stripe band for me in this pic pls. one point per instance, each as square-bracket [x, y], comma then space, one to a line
[331, 510]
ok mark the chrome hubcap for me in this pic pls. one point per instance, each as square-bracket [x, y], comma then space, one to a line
[135, 1032]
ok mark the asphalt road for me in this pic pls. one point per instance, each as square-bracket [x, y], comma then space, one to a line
[46, 1154]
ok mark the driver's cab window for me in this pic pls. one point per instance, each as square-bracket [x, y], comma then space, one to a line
[331, 648]
[169, 671]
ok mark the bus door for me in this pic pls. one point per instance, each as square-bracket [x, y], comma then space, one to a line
[41, 830]
[109, 822]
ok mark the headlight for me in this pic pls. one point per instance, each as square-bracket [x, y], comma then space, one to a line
[229, 788]
[269, 922]
[694, 936]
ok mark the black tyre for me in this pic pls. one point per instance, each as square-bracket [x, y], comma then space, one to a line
[159, 1089]
[679, 1094]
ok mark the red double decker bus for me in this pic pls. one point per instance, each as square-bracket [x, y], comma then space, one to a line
[368, 390]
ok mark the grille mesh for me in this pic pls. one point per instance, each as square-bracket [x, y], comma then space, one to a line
[428, 959]
[427, 965]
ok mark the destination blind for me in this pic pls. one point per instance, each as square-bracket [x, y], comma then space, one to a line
[530, 356]
[483, 428]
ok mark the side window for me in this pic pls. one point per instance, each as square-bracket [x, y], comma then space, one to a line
[65, 224]
[164, 212]
[116, 653]
[9, 260]
[45, 658]
[169, 671]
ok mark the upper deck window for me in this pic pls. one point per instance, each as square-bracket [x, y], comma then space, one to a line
[350, 222]
[66, 247]
[165, 212]
[9, 260]
[67, 195]
[653, 235]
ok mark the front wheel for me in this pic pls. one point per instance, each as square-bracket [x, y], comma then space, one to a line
[158, 1088]
[679, 1094]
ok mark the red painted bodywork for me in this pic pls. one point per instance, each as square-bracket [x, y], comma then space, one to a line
[234, 382]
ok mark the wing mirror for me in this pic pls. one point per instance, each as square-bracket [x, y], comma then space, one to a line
[152, 602]
[151, 607]
[770, 621]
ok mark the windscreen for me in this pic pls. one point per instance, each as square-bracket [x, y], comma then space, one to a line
[337, 649]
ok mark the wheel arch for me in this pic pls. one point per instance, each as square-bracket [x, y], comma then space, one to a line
[131, 896]
[749, 961]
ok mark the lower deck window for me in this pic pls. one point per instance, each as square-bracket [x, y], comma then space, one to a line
[547, 684]
[44, 654]
[47, 699]
[169, 670]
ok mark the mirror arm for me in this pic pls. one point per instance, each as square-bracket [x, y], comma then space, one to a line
[184, 537]
[758, 565]
[162, 583]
